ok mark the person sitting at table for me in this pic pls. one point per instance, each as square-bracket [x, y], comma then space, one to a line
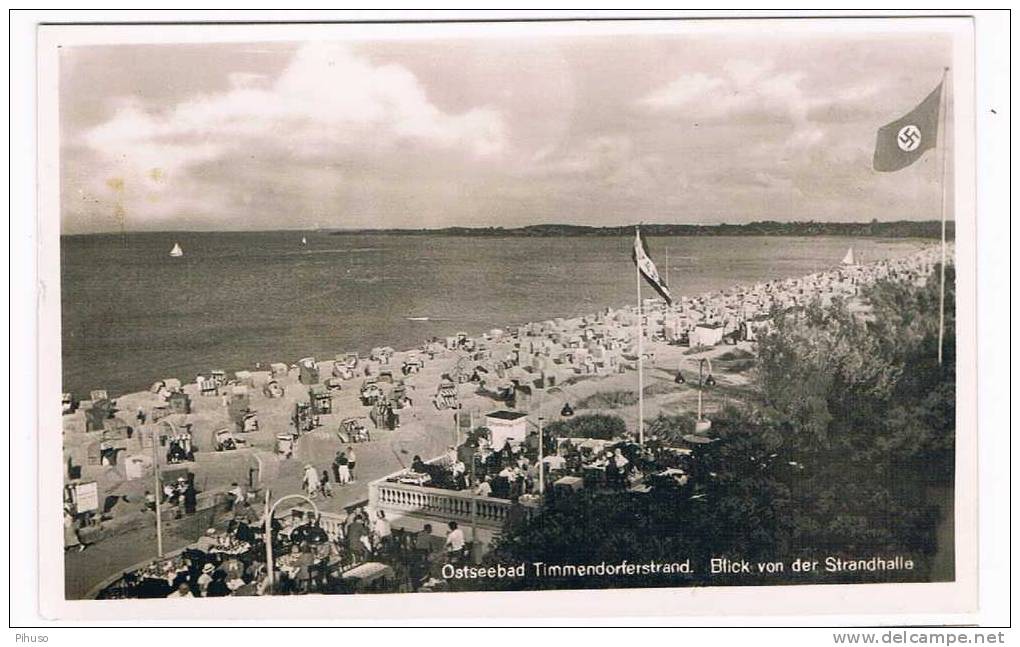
[507, 453]
[207, 541]
[493, 463]
[357, 538]
[620, 460]
[485, 487]
[205, 579]
[218, 586]
[612, 474]
[500, 487]
[516, 483]
[423, 540]
[169, 493]
[182, 590]
[418, 465]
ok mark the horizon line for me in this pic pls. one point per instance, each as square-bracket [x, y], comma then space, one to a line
[505, 228]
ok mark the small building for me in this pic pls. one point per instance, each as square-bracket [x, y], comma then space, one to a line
[506, 425]
[706, 334]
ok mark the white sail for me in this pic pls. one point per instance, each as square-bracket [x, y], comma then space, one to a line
[177, 251]
[849, 258]
[304, 241]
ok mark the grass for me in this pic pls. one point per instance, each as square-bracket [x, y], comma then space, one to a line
[609, 400]
[625, 398]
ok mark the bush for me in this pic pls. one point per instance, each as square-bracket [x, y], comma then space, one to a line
[598, 426]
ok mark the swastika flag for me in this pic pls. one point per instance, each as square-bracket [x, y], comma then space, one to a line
[648, 269]
[903, 142]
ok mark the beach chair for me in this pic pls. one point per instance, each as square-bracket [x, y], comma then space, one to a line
[207, 386]
[273, 389]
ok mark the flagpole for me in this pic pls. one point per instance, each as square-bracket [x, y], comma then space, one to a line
[641, 353]
[942, 278]
[667, 265]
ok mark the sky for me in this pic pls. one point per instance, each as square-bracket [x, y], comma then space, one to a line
[594, 130]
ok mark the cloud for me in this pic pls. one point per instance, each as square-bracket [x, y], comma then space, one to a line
[614, 162]
[744, 91]
[328, 104]
[327, 95]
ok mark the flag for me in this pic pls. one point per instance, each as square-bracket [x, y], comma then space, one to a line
[903, 142]
[647, 268]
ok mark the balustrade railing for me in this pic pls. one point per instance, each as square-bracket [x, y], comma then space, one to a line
[402, 499]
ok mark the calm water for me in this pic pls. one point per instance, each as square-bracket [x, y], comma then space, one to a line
[131, 314]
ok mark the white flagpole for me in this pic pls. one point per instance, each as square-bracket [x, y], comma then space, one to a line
[667, 265]
[640, 347]
[159, 489]
[942, 288]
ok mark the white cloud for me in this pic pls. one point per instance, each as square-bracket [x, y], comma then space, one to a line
[327, 101]
[683, 92]
[743, 90]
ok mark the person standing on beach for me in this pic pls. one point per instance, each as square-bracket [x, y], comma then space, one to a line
[311, 481]
[351, 458]
[336, 466]
[343, 470]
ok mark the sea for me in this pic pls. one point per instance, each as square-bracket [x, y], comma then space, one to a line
[131, 314]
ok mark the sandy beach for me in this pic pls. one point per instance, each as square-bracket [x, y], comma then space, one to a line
[573, 359]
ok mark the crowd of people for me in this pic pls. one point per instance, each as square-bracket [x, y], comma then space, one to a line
[307, 558]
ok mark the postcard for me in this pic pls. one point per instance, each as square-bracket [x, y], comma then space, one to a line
[541, 318]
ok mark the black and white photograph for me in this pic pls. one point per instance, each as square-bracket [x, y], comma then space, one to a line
[411, 310]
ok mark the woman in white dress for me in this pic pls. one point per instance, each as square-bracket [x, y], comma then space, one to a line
[311, 482]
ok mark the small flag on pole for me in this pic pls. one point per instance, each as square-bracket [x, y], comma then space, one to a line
[648, 269]
[903, 142]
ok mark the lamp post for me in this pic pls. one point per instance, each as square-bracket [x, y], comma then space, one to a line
[270, 509]
[475, 547]
[541, 464]
[159, 490]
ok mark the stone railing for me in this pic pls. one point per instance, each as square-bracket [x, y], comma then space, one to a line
[402, 500]
[331, 522]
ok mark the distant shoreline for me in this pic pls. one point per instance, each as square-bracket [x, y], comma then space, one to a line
[924, 229]
[894, 229]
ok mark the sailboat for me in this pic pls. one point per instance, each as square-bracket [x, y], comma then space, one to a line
[177, 251]
[304, 241]
[849, 258]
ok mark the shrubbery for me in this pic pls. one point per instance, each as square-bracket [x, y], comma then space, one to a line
[596, 425]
